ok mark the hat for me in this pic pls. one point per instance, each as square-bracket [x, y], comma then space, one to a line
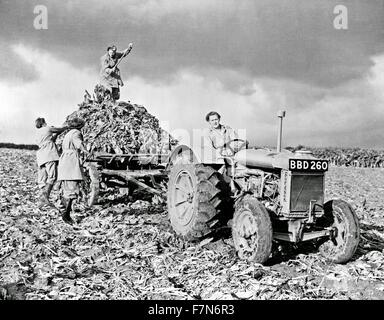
[113, 47]
[76, 123]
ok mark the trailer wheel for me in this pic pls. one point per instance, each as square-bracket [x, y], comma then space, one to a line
[92, 183]
[340, 216]
[252, 230]
[197, 200]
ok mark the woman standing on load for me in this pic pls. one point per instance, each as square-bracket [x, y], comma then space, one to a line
[70, 171]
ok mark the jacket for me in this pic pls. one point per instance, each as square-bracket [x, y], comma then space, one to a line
[47, 147]
[222, 136]
[69, 163]
[108, 78]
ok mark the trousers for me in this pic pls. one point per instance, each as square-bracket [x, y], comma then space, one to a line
[47, 174]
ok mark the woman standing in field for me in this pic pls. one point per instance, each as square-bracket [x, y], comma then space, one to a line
[47, 158]
[70, 171]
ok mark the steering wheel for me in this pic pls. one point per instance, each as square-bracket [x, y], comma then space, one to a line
[228, 145]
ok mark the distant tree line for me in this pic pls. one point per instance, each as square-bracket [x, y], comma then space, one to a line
[347, 157]
[18, 146]
[338, 156]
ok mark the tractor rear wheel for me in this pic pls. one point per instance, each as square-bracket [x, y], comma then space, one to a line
[252, 230]
[340, 216]
[197, 200]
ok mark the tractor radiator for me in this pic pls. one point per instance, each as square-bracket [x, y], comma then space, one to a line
[304, 188]
[297, 189]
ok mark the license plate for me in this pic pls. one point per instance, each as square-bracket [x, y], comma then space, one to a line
[308, 165]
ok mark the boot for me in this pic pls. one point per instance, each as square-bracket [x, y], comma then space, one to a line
[67, 211]
[49, 188]
[44, 201]
[62, 203]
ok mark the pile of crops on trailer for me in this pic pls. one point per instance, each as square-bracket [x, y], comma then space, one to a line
[119, 127]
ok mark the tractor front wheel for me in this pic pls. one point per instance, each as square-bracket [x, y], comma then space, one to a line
[341, 217]
[252, 230]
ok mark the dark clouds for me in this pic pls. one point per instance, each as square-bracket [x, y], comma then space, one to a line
[251, 57]
[14, 69]
[283, 39]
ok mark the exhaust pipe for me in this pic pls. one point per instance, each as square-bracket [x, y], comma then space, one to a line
[281, 115]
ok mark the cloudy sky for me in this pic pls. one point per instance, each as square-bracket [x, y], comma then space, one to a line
[245, 59]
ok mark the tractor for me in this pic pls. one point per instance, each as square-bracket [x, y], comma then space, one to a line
[264, 195]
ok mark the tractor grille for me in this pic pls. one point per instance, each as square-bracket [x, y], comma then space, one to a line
[304, 188]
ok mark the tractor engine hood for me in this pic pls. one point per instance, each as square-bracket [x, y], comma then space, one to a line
[269, 159]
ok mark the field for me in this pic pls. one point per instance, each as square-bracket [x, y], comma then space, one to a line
[127, 250]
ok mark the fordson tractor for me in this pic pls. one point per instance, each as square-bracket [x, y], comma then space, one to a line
[270, 195]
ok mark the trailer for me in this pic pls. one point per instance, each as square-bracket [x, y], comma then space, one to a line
[128, 172]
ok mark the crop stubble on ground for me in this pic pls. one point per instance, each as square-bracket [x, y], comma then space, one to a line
[121, 250]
